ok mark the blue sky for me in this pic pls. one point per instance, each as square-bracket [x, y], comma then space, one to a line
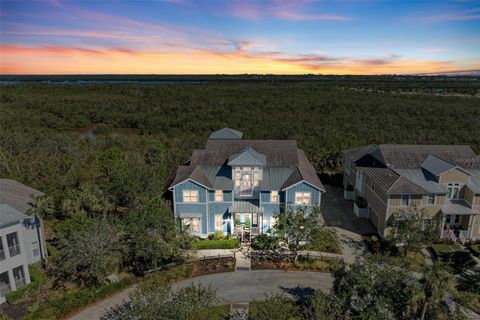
[182, 36]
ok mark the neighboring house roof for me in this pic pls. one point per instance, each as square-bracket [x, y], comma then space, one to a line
[436, 165]
[248, 156]
[226, 134]
[280, 159]
[423, 179]
[391, 182]
[9, 215]
[17, 195]
[458, 207]
[357, 153]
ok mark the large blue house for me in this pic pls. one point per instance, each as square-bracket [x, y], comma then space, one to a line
[239, 186]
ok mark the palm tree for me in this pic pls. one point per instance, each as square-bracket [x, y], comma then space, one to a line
[42, 206]
[435, 286]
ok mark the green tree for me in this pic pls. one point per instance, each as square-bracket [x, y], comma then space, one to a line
[155, 301]
[89, 254]
[152, 239]
[413, 229]
[298, 225]
[324, 306]
[276, 307]
[435, 285]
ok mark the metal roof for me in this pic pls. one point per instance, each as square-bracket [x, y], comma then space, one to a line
[248, 156]
[17, 195]
[357, 153]
[245, 207]
[226, 134]
[9, 215]
[423, 179]
[403, 185]
[458, 207]
[392, 182]
[436, 165]
[273, 178]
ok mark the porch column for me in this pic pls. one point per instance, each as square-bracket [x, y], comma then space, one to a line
[470, 223]
[251, 225]
[442, 226]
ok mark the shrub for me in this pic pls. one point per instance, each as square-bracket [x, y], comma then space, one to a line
[62, 302]
[265, 242]
[37, 279]
[217, 235]
[216, 244]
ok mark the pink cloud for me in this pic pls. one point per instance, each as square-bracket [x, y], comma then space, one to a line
[465, 15]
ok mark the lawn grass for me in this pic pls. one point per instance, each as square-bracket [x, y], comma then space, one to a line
[216, 244]
[455, 258]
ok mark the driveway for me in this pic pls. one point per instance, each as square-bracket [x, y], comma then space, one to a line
[235, 287]
[339, 216]
[246, 286]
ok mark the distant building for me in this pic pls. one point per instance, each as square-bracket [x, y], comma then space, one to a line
[238, 186]
[21, 236]
[444, 180]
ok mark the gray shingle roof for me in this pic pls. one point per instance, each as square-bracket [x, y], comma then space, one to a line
[474, 184]
[226, 134]
[248, 156]
[194, 173]
[437, 166]
[9, 215]
[17, 195]
[423, 179]
[281, 158]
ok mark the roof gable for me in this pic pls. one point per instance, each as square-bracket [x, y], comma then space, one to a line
[248, 157]
[226, 134]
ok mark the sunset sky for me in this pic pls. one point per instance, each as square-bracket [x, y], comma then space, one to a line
[231, 37]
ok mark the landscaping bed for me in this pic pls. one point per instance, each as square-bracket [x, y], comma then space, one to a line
[216, 244]
[415, 260]
[455, 257]
[303, 264]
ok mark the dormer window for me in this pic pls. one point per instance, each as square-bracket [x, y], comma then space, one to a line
[246, 179]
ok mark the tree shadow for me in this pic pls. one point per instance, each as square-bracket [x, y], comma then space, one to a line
[300, 294]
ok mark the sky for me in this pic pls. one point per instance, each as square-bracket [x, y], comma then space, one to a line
[237, 37]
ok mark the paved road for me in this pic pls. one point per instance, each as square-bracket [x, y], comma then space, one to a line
[235, 287]
[245, 286]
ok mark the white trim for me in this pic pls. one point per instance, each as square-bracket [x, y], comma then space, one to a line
[303, 181]
[190, 179]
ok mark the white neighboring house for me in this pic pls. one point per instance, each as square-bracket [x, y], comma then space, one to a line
[21, 236]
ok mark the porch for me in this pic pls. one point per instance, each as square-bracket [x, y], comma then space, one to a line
[457, 221]
[248, 220]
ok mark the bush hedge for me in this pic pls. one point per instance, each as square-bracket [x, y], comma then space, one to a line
[62, 302]
[216, 244]
[37, 278]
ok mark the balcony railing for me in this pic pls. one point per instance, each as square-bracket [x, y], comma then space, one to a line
[20, 282]
[14, 250]
[2, 255]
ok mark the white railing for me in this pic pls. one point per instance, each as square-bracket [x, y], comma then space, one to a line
[463, 236]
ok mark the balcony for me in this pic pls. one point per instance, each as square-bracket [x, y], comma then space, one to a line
[14, 250]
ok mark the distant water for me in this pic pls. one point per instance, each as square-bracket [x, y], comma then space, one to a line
[78, 82]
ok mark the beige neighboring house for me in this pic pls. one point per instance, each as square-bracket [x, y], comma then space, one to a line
[442, 179]
[21, 235]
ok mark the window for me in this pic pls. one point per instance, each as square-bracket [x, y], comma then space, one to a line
[457, 219]
[218, 222]
[2, 252]
[19, 277]
[218, 195]
[190, 195]
[254, 219]
[372, 185]
[192, 223]
[453, 190]
[448, 219]
[302, 198]
[431, 199]
[405, 199]
[35, 249]
[274, 196]
[13, 245]
[246, 179]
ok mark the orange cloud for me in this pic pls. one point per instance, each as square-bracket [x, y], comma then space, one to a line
[67, 60]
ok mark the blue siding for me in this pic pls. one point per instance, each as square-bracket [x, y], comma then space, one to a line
[189, 185]
[194, 208]
[217, 208]
[302, 187]
[227, 196]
